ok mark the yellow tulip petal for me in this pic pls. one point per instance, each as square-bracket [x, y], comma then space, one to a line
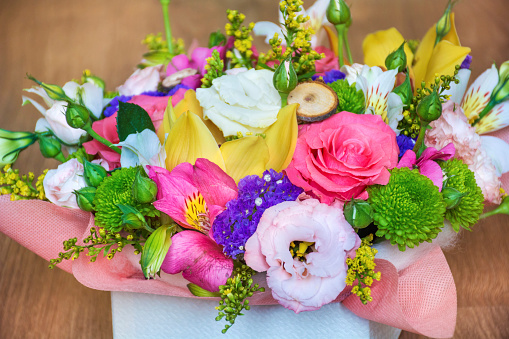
[281, 138]
[443, 60]
[168, 121]
[377, 46]
[425, 50]
[190, 103]
[245, 156]
[333, 39]
[190, 139]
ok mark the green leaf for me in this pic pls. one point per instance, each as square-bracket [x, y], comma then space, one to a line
[201, 292]
[131, 119]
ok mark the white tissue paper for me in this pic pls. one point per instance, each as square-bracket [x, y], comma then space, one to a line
[153, 316]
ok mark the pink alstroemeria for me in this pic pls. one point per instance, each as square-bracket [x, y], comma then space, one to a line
[426, 162]
[193, 196]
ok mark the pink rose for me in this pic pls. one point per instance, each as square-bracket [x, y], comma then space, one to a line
[59, 184]
[107, 127]
[338, 157]
[328, 63]
[142, 80]
[453, 127]
[303, 281]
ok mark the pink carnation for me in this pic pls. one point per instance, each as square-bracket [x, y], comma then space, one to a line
[328, 63]
[319, 277]
[453, 127]
[339, 157]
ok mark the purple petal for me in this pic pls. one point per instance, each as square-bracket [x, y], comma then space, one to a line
[407, 160]
[200, 260]
[432, 153]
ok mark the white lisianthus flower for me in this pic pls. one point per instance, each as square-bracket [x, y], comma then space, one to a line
[142, 80]
[55, 119]
[246, 102]
[91, 95]
[142, 149]
[60, 184]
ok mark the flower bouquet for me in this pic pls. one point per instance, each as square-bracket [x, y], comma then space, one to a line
[294, 176]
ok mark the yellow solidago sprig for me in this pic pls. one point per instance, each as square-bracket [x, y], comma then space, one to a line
[20, 187]
[100, 240]
[298, 41]
[243, 43]
[214, 68]
[234, 295]
[361, 269]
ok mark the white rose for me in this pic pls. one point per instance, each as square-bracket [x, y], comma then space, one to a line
[55, 117]
[59, 184]
[244, 102]
[142, 80]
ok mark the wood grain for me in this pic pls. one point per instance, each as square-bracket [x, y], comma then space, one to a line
[55, 40]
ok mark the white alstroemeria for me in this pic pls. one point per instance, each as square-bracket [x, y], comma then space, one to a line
[317, 19]
[91, 96]
[394, 112]
[246, 102]
[497, 149]
[477, 98]
[457, 91]
[352, 72]
[142, 149]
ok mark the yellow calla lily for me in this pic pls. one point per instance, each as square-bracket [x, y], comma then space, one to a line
[377, 46]
[245, 156]
[169, 119]
[281, 138]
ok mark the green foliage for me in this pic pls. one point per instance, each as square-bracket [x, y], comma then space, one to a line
[350, 99]
[470, 207]
[132, 118]
[408, 210]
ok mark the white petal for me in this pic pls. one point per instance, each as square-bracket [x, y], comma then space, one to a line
[478, 94]
[71, 90]
[498, 151]
[42, 93]
[93, 98]
[394, 111]
[496, 119]
[141, 149]
[42, 125]
[352, 72]
[268, 29]
[458, 90]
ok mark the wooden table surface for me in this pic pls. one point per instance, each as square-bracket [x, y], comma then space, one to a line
[55, 40]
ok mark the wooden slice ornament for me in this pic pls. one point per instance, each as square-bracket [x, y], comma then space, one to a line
[316, 100]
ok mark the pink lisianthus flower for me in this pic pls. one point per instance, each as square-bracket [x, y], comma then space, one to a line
[142, 80]
[193, 196]
[339, 157]
[303, 281]
[328, 63]
[107, 127]
[453, 127]
[426, 162]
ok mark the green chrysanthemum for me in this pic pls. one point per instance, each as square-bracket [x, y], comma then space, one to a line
[115, 190]
[408, 210]
[350, 99]
[467, 212]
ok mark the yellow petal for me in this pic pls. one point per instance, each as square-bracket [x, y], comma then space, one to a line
[425, 50]
[333, 39]
[443, 60]
[168, 121]
[281, 138]
[377, 46]
[245, 156]
[190, 103]
[190, 139]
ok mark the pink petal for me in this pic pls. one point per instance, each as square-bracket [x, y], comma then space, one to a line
[433, 171]
[214, 184]
[407, 160]
[200, 260]
[432, 153]
[178, 63]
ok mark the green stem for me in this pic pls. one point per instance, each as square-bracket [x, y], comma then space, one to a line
[284, 99]
[420, 139]
[339, 29]
[166, 15]
[93, 134]
[485, 111]
[148, 228]
[347, 46]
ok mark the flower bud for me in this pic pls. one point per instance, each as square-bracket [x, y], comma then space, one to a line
[77, 116]
[50, 147]
[154, 251]
[397, 59]
[338, 13]
[94, 174]
[87, 77]
[85, 198]
[54, 92]
[404, 91]
[285, 78]
[144, 189]
[501, 91]
[430, 107]
[131, 217]
[12, 143]
[452, 197]
[358, 213]
[444, 24]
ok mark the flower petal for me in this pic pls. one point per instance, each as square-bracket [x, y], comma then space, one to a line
[497, 149]
[267, 29]
[169, 119]
[377, 46]
[281, 138]
[214, 184]
[245, 156]
[190, 139]
[200, 260]
[496, 119]
[433, 171]
[458, 90]
[407, 160]
[478, 94]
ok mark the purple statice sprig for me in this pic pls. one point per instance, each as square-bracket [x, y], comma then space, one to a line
[235, 225]
[405, 143]
[330, 76]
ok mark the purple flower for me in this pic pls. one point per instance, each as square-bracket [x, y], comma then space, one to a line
[404, 143]
[466, 63]
[239, 221]
[113, 106]
[331, 76]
